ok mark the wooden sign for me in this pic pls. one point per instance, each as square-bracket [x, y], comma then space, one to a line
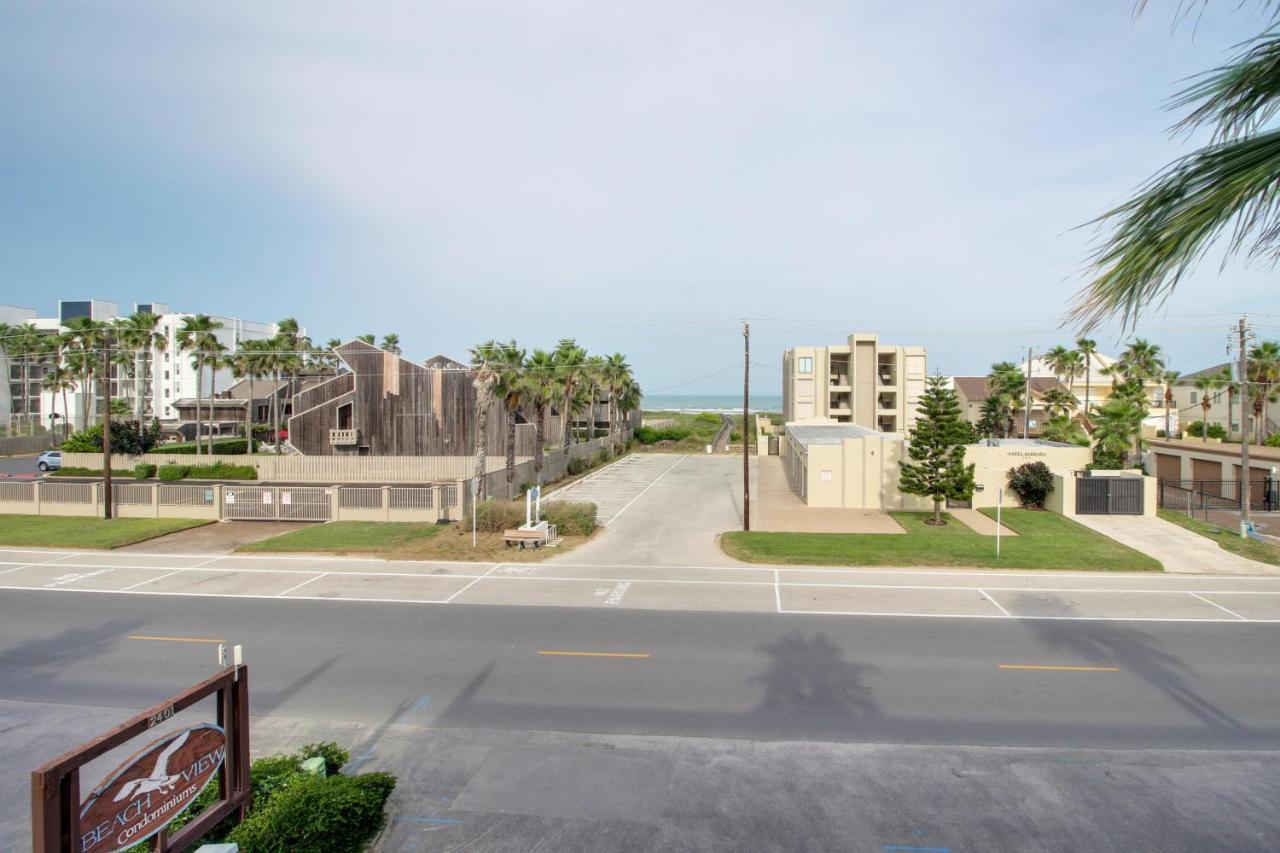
[145, 793]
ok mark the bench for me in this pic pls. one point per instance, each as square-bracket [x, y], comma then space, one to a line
[522, 538]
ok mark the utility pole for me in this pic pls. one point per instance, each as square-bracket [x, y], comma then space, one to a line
[1244, 428]
[1026, 412]
[106, 425]
[746, 402]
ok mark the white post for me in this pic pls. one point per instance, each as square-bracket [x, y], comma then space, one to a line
[537, 515]
[999, 507]
[528, 508]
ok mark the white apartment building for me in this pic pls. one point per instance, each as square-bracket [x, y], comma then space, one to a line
[171, 374]
[877, 386]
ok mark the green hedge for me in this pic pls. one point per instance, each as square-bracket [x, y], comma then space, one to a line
[229, 446]
[143, 471]
[291, 811]
[73, 471]
[216, 471]
[571, 518]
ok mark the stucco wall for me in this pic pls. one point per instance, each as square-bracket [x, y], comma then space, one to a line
[992, 464]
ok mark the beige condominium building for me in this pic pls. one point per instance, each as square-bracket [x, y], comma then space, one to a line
[863, 382]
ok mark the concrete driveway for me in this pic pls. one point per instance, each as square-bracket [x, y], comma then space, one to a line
[1178, 549]
[222, 537]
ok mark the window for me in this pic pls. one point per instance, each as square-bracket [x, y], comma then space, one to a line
[805, 364]
[166, 374]
[1195, 397]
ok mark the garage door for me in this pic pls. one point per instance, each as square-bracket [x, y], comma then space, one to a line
[1202, 469]
[1168, 467]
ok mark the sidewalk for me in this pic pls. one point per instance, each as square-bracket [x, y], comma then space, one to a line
[1180, 550]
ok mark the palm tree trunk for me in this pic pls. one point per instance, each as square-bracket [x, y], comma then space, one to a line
[566, 421]
[140, 379]
[66, 413]
[275, 408]
[482, 445]
[199, 392]
[539, 436]
[1204, 423]
[511, 451]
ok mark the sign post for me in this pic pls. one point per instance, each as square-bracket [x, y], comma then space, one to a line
[140, 798]
[475, 499]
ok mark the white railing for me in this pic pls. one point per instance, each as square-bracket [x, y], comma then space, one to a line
[359, 497]
[402, 498]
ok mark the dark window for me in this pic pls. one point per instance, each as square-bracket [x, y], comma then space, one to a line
[71, 310]
[345, 415]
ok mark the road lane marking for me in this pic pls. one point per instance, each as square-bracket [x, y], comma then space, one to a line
[998, 605]
[777, 592]
[301, 585]
[1217, 605]
[174, 639]
[492, 569]
[149, 580]
[422, 701]
[1052, 668]
[636, 655]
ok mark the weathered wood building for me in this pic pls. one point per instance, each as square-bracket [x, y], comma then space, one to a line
[385, 405]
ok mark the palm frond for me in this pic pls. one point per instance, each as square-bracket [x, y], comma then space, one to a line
[1237, 98]
[1163, 231]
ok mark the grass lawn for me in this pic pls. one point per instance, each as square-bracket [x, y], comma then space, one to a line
[406, 541]
[1045, 540]
[1228, 540]
[368, 537]
[51, 531]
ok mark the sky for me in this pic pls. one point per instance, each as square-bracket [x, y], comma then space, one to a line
[638, 176]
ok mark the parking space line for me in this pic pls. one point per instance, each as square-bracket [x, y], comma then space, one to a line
[301, 585]
[149, 580]
[777, 591]
[174, 639]
[647, 488]
[1217, 605]
[998, 605]
[492, 569]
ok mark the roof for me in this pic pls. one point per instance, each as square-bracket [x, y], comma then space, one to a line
[1021, 442]
[807, 434]
[443, 362]
[1190, 378]
[974, 388]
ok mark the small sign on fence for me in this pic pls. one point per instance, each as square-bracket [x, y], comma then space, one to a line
[266, 496]
[286, 498]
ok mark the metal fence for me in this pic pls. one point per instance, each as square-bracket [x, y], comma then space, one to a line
[70, 493]
[359, 497]
[17, 492]
[402, 498]
[132, 494]
[1197, 495]
[185, 495]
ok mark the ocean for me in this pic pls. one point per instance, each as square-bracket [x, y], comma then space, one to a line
[710, 403]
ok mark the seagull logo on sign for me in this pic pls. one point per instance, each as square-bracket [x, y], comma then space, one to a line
[160, 780]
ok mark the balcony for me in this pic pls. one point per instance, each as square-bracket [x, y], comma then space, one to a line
[344, 437]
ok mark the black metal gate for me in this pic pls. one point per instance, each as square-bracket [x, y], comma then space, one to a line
[1109, 495]
[1264, 495]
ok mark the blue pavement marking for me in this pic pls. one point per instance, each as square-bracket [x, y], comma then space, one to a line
[422, 702]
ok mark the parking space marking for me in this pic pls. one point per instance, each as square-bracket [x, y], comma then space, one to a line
[301, 585]
[998, 605]
[492, 569]
[1217, 605]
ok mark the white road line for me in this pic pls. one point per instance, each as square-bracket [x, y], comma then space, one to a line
[494, 568]
[150, 580]
[998, 605]
[330, 599]
[777, 591]
[301, 585]
[647, 488]
[1217, 605]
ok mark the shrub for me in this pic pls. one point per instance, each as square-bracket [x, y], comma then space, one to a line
[708, 418]
[1032, 482]
[496, 516]
[143, 471]
[576, 466]
[73, 471]
[169, 473]
[571, 518]
[335, 757]
[527, 485]
[336, 814]
[221, 471]
[602, 457]
[229, 446]
[1196, 430]
[1273, 440]
[124, 438]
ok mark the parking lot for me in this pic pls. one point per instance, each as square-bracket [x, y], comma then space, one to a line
[797, 590]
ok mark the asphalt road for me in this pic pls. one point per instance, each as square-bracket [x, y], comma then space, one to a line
[714, 731]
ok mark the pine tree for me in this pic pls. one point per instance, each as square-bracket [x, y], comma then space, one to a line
[936, 447]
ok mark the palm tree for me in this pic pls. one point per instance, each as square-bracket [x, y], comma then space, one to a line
[570, 371]
[1007, 384]
[82, 337]
[1058, 401]
[1141, 362]
[1208, 385]
[1118, 431]
[1058, 360]
[510, 388]
[1170, 377]
[1263, 366]
[290, 346]
[59, 380]
[616, 373]
[542, 389]
[1087, 349]
[484, 359]
[391, 343]
[253, 361]
[630, 398]
[138, 334]
[1226, 187]
[595, 379]
[197, 336]
[368, 339]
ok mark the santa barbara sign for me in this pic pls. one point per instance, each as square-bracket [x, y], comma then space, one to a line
[145, 793]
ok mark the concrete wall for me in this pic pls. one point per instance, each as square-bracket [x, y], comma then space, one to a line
[311, 469]
[992, 464]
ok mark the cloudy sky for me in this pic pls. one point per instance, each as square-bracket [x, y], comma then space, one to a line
[639, 176]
